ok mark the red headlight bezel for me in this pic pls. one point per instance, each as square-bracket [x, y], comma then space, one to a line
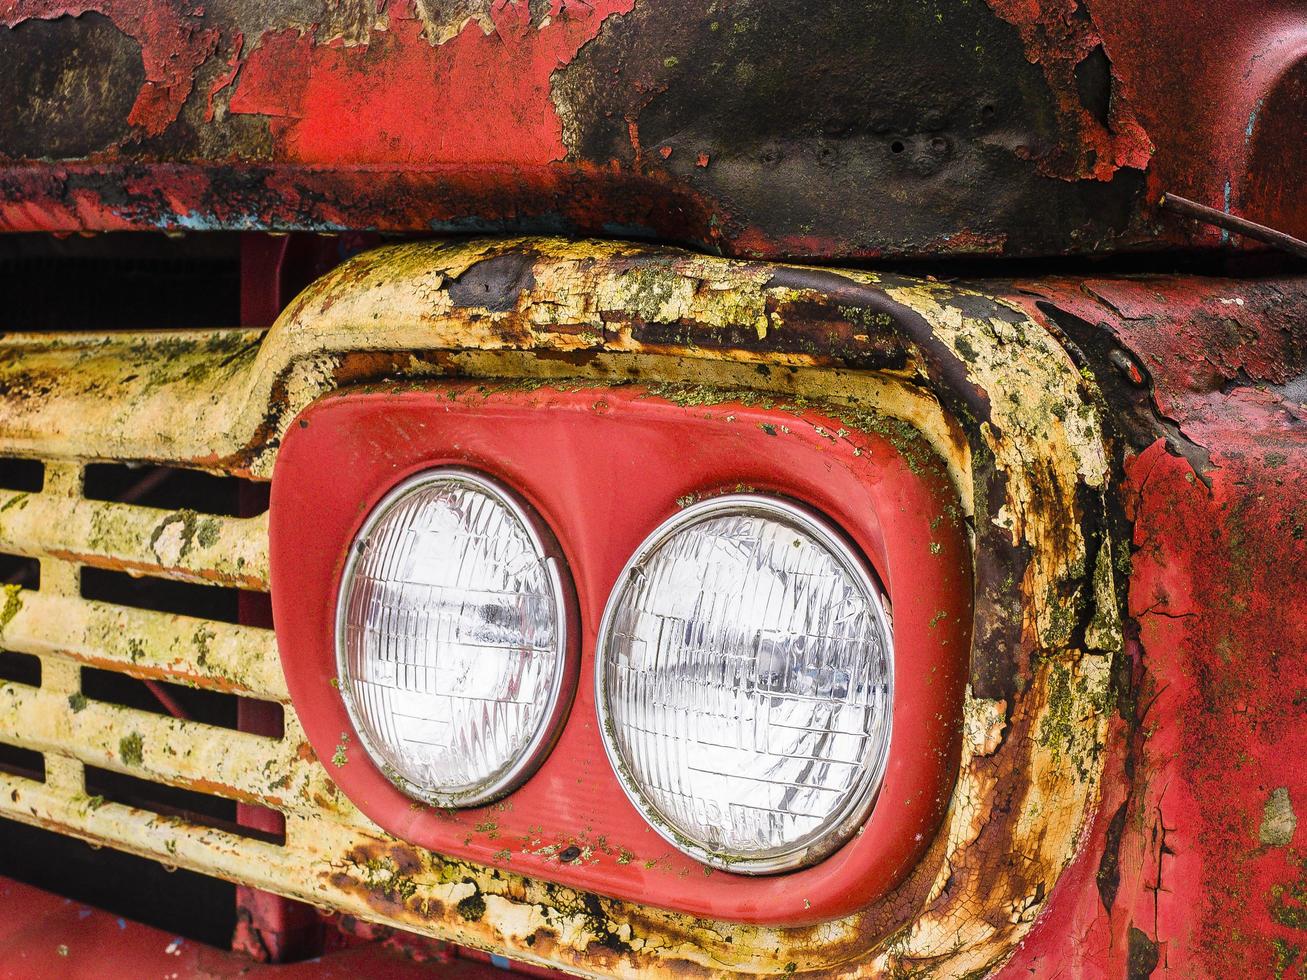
[603, 467]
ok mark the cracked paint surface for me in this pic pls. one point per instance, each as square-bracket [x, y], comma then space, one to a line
[1195, 863]
[754, 128]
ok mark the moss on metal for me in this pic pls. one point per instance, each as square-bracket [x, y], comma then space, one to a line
[131, 749]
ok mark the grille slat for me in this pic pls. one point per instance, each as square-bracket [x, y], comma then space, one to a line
[181, 843]
[79, 739]
[171, 840]
[149, 644]
[184, 545]
[190, 755]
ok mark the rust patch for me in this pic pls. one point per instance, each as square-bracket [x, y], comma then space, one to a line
[1100, 132]
[768, 114]
[67, 86]
[172, 44]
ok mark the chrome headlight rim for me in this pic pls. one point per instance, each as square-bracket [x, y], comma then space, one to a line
[859, 803]
[563, 682]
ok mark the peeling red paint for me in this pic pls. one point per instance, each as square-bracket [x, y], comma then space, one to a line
[227, 78]
[1196, 72]
[1180, 863]
[1059, 37]
[1219, 714]
[478, 97]
[174, 43]
[291, 121]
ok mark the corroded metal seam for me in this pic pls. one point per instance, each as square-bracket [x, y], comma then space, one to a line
[994, 394]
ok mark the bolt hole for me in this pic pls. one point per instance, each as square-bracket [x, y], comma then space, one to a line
[570, 854]
[896, 146]
[987, 111]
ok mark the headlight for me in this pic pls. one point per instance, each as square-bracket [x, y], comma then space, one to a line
[744, 682]
[451, 638]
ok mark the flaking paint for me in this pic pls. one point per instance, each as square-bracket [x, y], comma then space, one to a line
[559, 116]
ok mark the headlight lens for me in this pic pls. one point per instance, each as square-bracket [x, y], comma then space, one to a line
[744, 681]
[451, 638]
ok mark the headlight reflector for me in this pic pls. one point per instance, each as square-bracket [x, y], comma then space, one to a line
[451, 638]
[744, 681]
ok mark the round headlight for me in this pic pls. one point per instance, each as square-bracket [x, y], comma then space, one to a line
[744, 681]
[451, 638]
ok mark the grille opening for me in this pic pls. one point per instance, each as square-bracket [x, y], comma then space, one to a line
[166, 698]
[174, 488]
[182, 804]
[20, 668]
[181, 902]
[17, 570]
[16, 761]
[124, 281]
[162, 595]
[21, 474]
[254, 608]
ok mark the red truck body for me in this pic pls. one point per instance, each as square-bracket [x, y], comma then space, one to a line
[1025, 146]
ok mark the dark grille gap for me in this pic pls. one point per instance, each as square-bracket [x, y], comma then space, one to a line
[20, 668]
[162, 595]
[174, 488]
[180, 902]
[17, 570]
[123, 281]
[16, 761]
[254, 608]
[171, 801]
[210, 707]
[21, 474]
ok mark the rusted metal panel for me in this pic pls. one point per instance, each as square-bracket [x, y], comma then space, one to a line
[1194, 863]
[757, 128]
[994, 392]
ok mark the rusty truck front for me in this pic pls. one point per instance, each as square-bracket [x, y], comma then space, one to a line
[641, 488]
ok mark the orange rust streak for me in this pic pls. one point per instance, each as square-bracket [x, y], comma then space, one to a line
[200, 576]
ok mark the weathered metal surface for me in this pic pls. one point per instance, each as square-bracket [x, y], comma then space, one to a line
[147, 644]
[756, 128]
[996, 395]
[1195, 862]
[181, 544]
